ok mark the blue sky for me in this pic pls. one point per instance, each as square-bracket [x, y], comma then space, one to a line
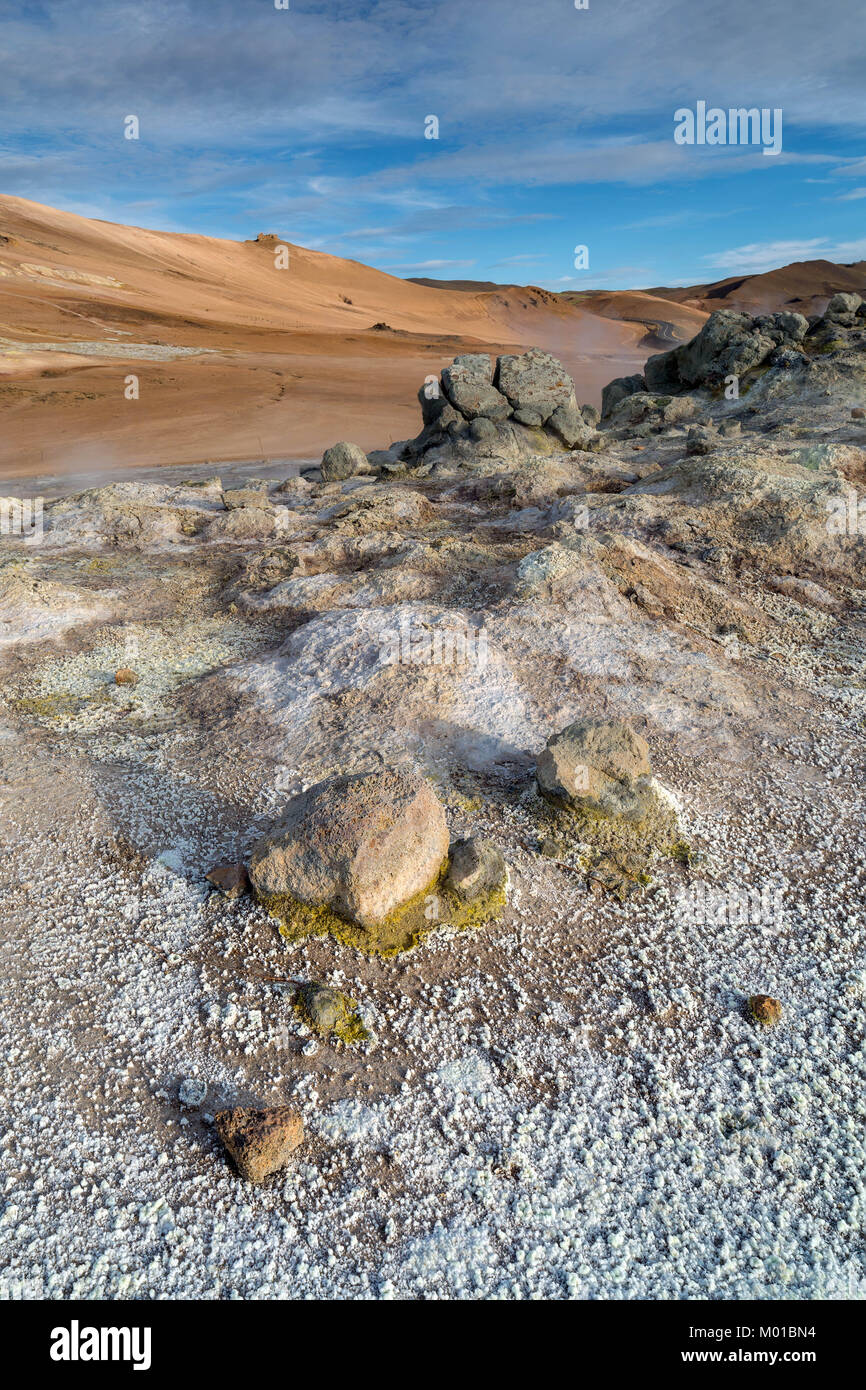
[555, 129]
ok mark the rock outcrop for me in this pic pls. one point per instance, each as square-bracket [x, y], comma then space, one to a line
[522, 406]
[729, 344]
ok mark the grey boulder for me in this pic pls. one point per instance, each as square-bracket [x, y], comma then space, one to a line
[616, 391]
[728, 344]
[843, 309]
[569, 426]
[468, 384]
[597, 765]
[534, 381]
[343, 461]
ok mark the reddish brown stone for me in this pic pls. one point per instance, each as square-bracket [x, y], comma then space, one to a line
[125, 677]
[230, 879]
[260, 1141]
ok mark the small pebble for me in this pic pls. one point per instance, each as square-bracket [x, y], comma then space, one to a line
[764, 1009]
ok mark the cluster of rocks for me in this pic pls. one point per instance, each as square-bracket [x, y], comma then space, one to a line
[367, 856]
[532, 389]
[736, 345]
[522, 405]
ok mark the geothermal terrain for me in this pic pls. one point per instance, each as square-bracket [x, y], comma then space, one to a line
[563, 1092]
[242, 350]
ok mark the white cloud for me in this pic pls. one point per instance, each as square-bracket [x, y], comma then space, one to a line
[769, 255]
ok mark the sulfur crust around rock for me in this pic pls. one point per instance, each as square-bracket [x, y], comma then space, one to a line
[434, 908]
[615, 847]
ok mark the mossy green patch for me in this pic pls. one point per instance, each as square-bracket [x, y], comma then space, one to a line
[340, 1016]
[56, 704]
[681, 852]
[652, 831]
[820, 348]
[616, 851]
[52, 706]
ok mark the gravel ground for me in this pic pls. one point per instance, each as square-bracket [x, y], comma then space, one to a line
[571, 1102]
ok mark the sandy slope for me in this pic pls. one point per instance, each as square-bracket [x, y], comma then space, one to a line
[279, 362]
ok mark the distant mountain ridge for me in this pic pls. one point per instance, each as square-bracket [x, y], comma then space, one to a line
[802, 286]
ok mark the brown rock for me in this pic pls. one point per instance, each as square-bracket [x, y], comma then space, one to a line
[230, 879]
[125, 677]
[600, 764]
[361, 845]
[260, 1141]
[764, 1009]
[858, 413]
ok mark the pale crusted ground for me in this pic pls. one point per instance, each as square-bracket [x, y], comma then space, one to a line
[570, 1102]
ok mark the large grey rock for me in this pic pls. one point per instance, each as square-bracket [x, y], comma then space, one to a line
[618, 389]
[597, 765]
[785, 329]
[661, 373]
[468, 384]
[342, 461]
[843, 309]
[535, 381]
[569, 426]
[436, 409]
[361, 845]
[728, 344]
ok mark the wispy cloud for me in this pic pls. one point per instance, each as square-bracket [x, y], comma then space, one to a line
[428, 265]
[311, 120]
[762, 256]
